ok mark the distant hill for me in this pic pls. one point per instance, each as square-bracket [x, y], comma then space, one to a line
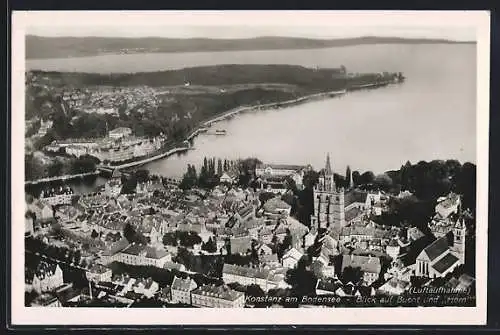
[38, 47]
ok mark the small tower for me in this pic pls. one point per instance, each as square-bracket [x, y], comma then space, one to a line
[459, 233]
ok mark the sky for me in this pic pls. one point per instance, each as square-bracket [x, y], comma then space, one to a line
[192, 31]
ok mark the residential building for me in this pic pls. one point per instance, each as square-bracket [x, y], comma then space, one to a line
[291, 258]
[392, 249]
[47, 213]
[46, 277]
[394, 286]
[149, 187]
[241, 244]
[174, 266]
[448, 205]
[246, 276]
[329, 287]
[99, 273]
[225, 178]
[217, 297]
[147, 287]
[46, 300]
[120, 132]
[264, 249]
[277, 206]
[281, 170]
[76, 150]
[181, 290]
[44, 127]
[370, 266]
[310, 237]
[269, 260]
[57, 196]
[125, 282]
[112, 254]
[245, 213]
[113, 187]
[138, 254]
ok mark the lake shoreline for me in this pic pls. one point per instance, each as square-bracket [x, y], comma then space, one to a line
[252, 108]
[202, 128]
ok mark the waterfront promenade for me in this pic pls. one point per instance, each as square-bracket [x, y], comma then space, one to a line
[242, 109]
[61, 178]
[145, 160]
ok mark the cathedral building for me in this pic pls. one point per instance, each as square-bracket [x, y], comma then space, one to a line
[329, 207]
[335, 208]
[440, 258]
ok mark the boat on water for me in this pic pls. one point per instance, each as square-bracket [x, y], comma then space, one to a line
[399, 78]
[336, 93]
[216, 132]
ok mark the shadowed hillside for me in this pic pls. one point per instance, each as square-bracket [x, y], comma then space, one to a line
[38, 47]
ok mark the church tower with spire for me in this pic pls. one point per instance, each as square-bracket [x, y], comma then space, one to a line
[328, 201]
[459, 234]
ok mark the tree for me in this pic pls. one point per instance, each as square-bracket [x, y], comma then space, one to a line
[84, 263]
[219, 167]
[348, 177]
[170, 239]
[254, 290]
[83, 164]
[310, 179]
[339, 180]
[367, 178]
[265, 196]
[352, 274]
[55, 168]
[190, 178]
[133, 236]
[94, 234]
[210, 245]
[466, 185]
[303, 281]
[356, 178]
[211, 171]
[142, 175]
[383, 182]
[188, 239]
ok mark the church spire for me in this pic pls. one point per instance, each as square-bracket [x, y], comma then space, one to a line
[328, 166]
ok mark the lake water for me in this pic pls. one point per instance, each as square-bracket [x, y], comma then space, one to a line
[431, 116]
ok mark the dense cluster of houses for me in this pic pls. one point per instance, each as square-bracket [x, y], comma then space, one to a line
[343, 236]
[109, 101]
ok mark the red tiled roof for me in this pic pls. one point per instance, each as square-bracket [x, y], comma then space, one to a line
[355, 196]
[221, 292]
[437, 248]
[445, 263]
[366, 263]
[244, 271]
[180, 284]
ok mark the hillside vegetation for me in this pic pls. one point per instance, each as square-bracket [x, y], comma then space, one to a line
[231, 74]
